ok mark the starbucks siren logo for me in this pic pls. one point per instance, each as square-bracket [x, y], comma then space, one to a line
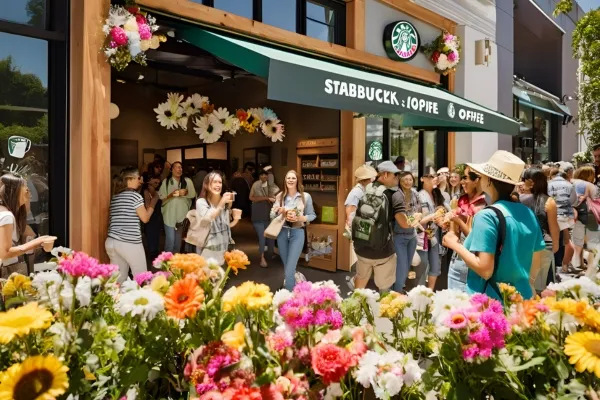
[401, 40]
[451, 110]
[376, 151]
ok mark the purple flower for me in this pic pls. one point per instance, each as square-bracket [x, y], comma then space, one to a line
[143, 277]
[452, 56]
[144, 31]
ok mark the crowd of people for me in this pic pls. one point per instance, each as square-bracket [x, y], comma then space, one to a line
[466, 229]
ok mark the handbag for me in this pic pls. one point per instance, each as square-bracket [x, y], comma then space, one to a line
[196, 234]
[275, 227]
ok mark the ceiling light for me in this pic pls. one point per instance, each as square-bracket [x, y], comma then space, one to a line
[120, 81]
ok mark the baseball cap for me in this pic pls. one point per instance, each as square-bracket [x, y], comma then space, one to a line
[365, 172]
[388, 166]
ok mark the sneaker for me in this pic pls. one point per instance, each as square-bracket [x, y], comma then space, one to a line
[350, 282]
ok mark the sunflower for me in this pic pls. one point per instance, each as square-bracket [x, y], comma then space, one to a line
[190, 263]
[236, 260]
[16, 283]
[36, 378]
[254, 296]
[208, 128]
[236, 339]
[21, 321]
[583, 348]
[184, 299]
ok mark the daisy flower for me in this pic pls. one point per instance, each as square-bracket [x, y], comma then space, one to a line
[258, 114]
[583, 348]
[169, 112]
[273, 129]
[143, 302]
[184, 299]
[269, 114]
[208, 128]
[193, 104]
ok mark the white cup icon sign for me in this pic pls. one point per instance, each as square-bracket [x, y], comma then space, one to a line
[18, 146]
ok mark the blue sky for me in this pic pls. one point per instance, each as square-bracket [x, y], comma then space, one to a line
[587, 5]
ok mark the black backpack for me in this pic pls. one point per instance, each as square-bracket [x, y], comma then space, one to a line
[371, 226]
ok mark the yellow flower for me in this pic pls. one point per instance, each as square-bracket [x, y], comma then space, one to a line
[583, 349]
[236, 260]
[36, 378]
[229, 299]
[191, 263]
[88, 375]
[21, 321]
[592, 318]
[160, 284]
[236, 339]
[392, 304]
[131, 25]
[506, 289]
[249, 295]
[15, 283]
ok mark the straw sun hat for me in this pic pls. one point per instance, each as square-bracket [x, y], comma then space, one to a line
[502, 166]
[365, 172]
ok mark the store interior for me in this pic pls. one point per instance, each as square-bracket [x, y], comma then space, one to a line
[310, 145]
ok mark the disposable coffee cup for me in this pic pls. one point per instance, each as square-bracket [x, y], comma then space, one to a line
[237, 213]
[48, 246]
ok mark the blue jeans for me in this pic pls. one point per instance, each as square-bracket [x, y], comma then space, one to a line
[260, 227]
[405, 245]
[290, 243]
[172, 239]
[457, 275]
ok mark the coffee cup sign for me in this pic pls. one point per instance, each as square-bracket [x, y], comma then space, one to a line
[18, 146]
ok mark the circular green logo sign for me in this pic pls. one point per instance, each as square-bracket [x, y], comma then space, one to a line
[376, 151]
[401, 41]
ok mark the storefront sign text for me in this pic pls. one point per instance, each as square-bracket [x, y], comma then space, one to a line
[401, 41]
[360, 92]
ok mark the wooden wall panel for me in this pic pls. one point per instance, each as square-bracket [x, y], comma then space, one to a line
[90, 129]
[421, 13]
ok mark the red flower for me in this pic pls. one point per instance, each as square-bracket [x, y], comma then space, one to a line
[242, 115]
[331, 362]
[140, 19]
[435, 56]
[271, 392]
[247, 394]
[134, 10]
[118, 36]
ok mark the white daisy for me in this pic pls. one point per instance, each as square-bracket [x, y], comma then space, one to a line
[129, 285]
[209, 128]
[83, 291]
[183, 122]
[273, 129]
[280, 297]
[59, 251]
[232, 125]
[143, 302]
[258, 113]
[443, 63]
[420, 298]
[447, 300]
[580, 288]
[117, 16]
[169, 112]
[193, 104]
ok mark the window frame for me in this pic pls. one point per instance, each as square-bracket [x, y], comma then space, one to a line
[338, 6]
[56, 34]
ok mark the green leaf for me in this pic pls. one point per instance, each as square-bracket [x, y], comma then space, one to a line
[139, 374]
[562, 370]
[531, 363]
[15, 302]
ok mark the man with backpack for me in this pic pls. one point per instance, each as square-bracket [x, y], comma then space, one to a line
[372, 231]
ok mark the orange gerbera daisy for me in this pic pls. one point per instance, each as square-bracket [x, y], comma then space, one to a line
[236, 260]
[191, 263]
[184, 298]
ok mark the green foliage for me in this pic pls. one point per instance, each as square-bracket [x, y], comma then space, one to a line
[586, 47]
[36, 12]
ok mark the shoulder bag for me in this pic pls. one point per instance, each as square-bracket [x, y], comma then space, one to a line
[276, 224]
[501, 237]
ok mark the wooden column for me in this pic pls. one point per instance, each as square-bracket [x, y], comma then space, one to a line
[90, 129]
[352, 133]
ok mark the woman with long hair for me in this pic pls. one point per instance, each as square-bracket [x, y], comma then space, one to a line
[546, 212]
[262, 199]
[152, 228]
[469, 204]
[14, 198]
[407, 215]
[124, 243]
[428, 242]
[176, 193]
[505, 242]
[455, 186]
[213, 208]
[586, 226]
[297, 207]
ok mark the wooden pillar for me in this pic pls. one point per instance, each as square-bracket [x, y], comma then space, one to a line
[89, 129]
[451, 135]
[352, 133]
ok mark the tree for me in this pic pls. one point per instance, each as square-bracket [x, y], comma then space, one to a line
[36, 12]
[586, 48]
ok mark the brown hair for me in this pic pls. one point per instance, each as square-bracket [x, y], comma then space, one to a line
[120, 182]
[10, 193]
[299, 186]
[585, 173]
[208, 179]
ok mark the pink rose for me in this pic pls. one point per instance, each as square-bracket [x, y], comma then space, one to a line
[452, 56]
[144, 31]
[119, 36]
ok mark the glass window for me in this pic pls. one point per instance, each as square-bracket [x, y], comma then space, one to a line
[404, 141]
[374, 146]
[29, 12]
[320, 22]
[280, 13]
[237, 7]
[24, 119]
[523, 143]
[430, 151]
[541, 136]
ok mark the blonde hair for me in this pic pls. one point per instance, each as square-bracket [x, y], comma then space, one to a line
[585, 173]
[299, 186]
[120, 182]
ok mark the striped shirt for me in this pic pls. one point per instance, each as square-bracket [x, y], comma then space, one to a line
[124, 223]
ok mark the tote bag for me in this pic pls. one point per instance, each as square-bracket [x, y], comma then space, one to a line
[274, 227]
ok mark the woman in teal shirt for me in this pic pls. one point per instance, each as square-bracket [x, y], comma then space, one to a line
[519, 261]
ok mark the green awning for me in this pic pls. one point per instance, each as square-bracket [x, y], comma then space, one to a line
[540, 102]
[317, 82]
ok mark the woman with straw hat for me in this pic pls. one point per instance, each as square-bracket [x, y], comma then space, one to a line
[506, 243]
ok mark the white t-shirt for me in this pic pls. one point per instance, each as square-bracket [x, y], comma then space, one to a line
[6, 218]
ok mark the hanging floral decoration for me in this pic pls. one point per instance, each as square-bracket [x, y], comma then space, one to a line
[129, 32]
[210, 123]
[444, 52]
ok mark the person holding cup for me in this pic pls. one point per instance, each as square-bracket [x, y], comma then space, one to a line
[213, 209]
[14, 197]
[176, 193]
[297, 206]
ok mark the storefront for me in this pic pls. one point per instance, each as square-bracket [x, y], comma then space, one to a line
[303, 64]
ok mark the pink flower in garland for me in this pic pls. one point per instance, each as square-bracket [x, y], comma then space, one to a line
[452, 56]
[80, 264]
[143, 277]
[140, 19]
[118, 36]
[312, 305]
[144, 31]
[457, 320]
[162, 257]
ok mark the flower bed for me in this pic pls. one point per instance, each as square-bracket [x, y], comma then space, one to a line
[74, 333]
